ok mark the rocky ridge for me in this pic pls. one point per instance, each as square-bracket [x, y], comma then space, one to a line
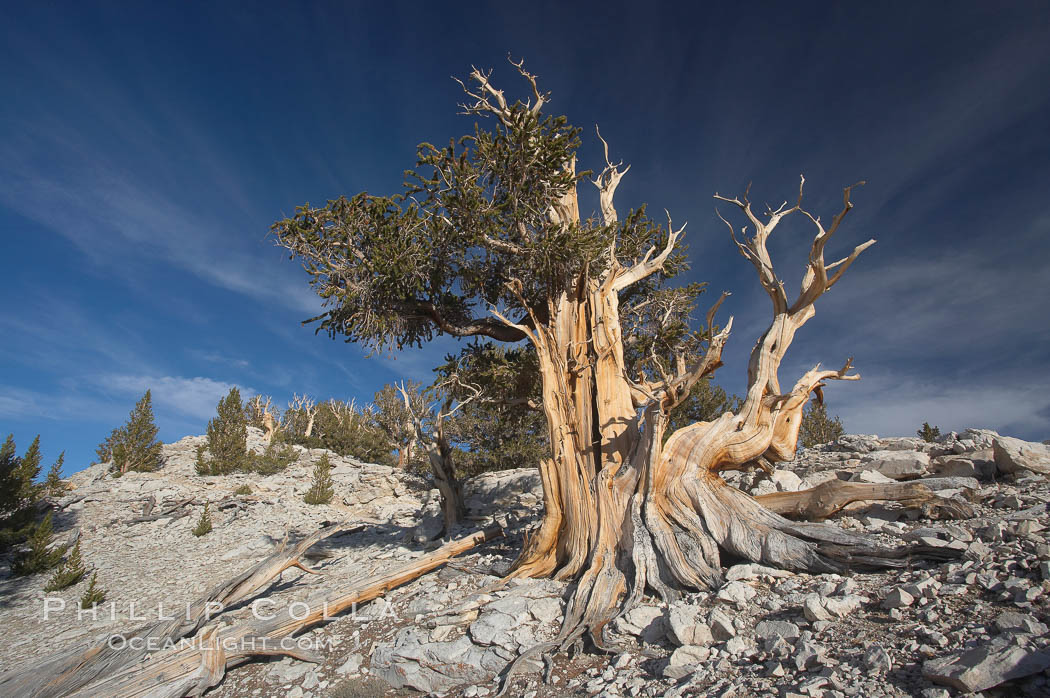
[974, 625]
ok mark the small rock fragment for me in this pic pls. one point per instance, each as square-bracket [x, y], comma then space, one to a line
[898, 598]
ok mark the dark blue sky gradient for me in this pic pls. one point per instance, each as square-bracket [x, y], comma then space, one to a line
[146, 149]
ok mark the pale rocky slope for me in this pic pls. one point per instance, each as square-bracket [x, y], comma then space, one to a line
[765, 632]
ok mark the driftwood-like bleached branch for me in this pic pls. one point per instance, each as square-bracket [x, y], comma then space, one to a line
[652, 262]
[190, 669]
[68, 672]
[606, 183]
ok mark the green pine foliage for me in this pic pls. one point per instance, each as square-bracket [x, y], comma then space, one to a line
[227, 445]
[70, 572]
[817, 427]
[274, 459]
[133, 445]
[94, 594]
[322, 488]
[203, 526]
[19, 492]
[506, 429]
[39, 556]
[53, 484]
[342, 428]
[928, 433]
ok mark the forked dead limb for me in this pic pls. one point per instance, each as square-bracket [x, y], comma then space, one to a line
[192, 668]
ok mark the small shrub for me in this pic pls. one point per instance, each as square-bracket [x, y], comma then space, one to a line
[928, 433]
[276, 458]
[227, 445]
[817, 427]
[243, 489]
[94, 594]
[70, 572]
[321, 489]
[39, 557]
[203, 526]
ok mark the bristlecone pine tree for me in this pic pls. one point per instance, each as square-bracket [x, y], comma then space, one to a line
[394, 419]
[321, 489]
[53, 484]
[487, 240]
[928, 433]
[39, 556]
[70, 572]
[227, 445]
[133, 445]
[94, 594]
[429, 424]
[817, 427]
[19, 492]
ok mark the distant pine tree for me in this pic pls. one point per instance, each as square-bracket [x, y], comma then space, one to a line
[817, 427]
[928, 433]
[274, 459]
[322, 488]
[53, 484]
[134, 445]
[19, 492]
[93, 595]
[39, 557]
[70, 572]
[227, 445]
[203, 526]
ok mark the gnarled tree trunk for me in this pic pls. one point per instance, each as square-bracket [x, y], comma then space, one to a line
[625, 511]
[439, 455]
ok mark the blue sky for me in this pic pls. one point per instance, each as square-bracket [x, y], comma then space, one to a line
[145, 149]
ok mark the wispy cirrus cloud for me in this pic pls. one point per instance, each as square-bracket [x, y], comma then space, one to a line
[189, 397]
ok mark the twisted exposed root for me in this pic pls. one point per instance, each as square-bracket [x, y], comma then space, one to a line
[671, 542]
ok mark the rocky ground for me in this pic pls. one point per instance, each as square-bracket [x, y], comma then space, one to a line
[974, 625]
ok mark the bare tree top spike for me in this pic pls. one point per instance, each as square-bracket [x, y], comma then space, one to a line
[487, 99]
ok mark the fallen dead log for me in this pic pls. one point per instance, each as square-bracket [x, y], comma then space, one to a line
[69, 670]
[832, 496]
[193, 667]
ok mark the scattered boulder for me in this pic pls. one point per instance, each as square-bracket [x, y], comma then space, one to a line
[434, 667]
[721, 625]
[644, 622]
[684, 660]
[737, 593]
[898, 465]
[877, 659]
[986, 666]
[857, 443]
[771, 630]
[685, 628]
[1014, 456]
[786, 481]
[898, 598]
